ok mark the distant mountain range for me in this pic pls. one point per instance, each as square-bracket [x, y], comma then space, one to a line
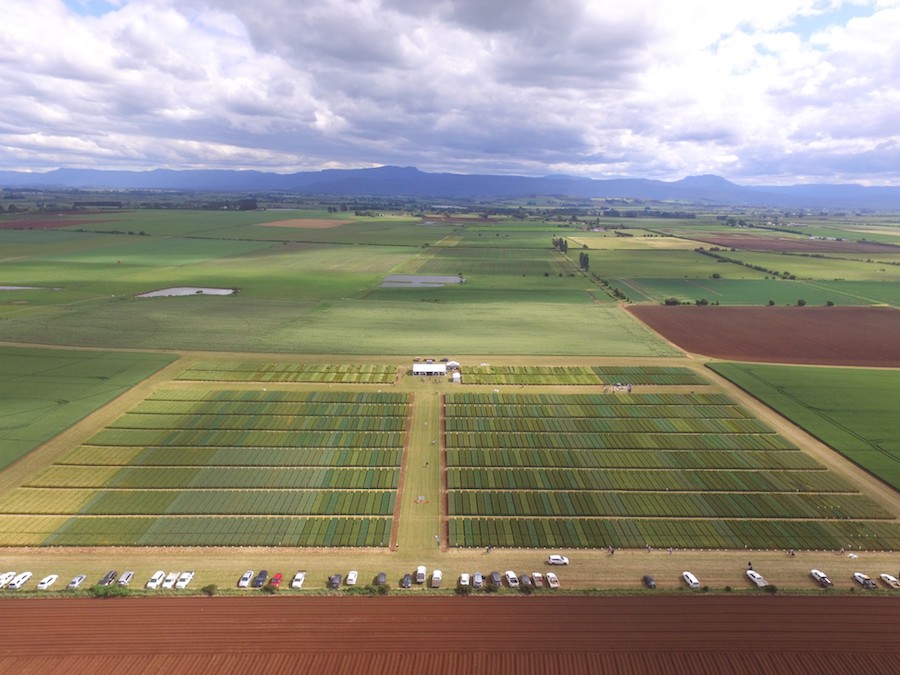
[410, 182]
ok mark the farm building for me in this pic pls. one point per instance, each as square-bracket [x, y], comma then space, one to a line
[429, 369]
[457, 377]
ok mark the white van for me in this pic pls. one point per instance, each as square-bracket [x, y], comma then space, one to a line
[420, 574]
[690, 580]
[436, 578]
[156, 580]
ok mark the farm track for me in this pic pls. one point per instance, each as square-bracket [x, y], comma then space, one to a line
[571, 635]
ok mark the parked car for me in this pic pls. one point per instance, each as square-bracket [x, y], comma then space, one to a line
[381, 579]
[275, 581]
[420, 574]
[496, 579]
[47, 582]
[108, 578]
[511, 579]
[690, 580]
[6, 578]
[260, 579]
[436, 577]
[649, 581]
[334, 582]
[170, 580]
[299, 578]
[352, 576]
[478, 580]
[464, 579]
[156, 580]
[821, 578]
[525, 581]
[20, 580]
[557, 560]
[552, 580]
[406, 581]
[757, 579]
[864, 581]
[126, 578]
[538, 579]
[76, 582]
[184, 579]
[245, 579]
[890, 580]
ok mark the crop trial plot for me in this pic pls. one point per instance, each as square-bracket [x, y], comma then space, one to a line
[223, 468]
[227, 371]
[636, 470]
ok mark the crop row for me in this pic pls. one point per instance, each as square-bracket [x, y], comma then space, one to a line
[597, 441]
[19, 530]
[556, 375]
[299, 408]
[632, 459]
[209, 438]
[474, 398]
[27, 500]
[613, 425]
[660, 375]
[231, 456]
[196, 374]
[285, 396]
[222, 531]
[663, 504]
[573, 411]
[134, 477]
[284, 367]
[715, 534]
[240, 502]
[644, 480]
[257, 422]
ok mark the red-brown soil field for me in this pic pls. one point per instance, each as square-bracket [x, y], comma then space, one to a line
[749, 242]
[838, 336]
[470, 636]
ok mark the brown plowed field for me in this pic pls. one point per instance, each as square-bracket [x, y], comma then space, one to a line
[839, 336]
[749, 242]
[375, 636]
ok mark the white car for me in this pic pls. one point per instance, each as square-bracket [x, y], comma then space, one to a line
[47, 582]
[156, 580]
[890, 580]
[126, 578]
[757, 579]
[436, 578]
[538, 579]
[690, 580]
[420, 574]
[557, 560]
[297, 581]
[6, 578]
[184, 579]
[821, 578]
[170, 580]
[552, 581]
[19, 581]
[352, 576]
[76, 582]
[246, 578]
[511, 579]
[864, 581]
[464, 579]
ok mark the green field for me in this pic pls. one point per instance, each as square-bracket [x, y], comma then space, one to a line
[631, 470]
[44, 391]
[853, 410]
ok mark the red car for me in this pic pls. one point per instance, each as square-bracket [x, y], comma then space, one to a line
[275, 581]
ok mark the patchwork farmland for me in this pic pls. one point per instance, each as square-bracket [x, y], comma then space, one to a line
[641, 470]
[223, 468]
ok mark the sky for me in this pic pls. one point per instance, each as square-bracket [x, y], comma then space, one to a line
[756, 91]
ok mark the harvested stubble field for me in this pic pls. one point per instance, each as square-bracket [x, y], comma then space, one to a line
[837, 336]
[385, 636]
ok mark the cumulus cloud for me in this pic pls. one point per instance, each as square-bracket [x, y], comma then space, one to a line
[760, 92]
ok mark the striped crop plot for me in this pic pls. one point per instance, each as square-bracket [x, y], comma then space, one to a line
[223, 468]
[530, 375]
[252, 371]
[634, 470]
[664, 375]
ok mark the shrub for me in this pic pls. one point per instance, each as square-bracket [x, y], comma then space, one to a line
[114, 591]
[210, 590]
[801, 302]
